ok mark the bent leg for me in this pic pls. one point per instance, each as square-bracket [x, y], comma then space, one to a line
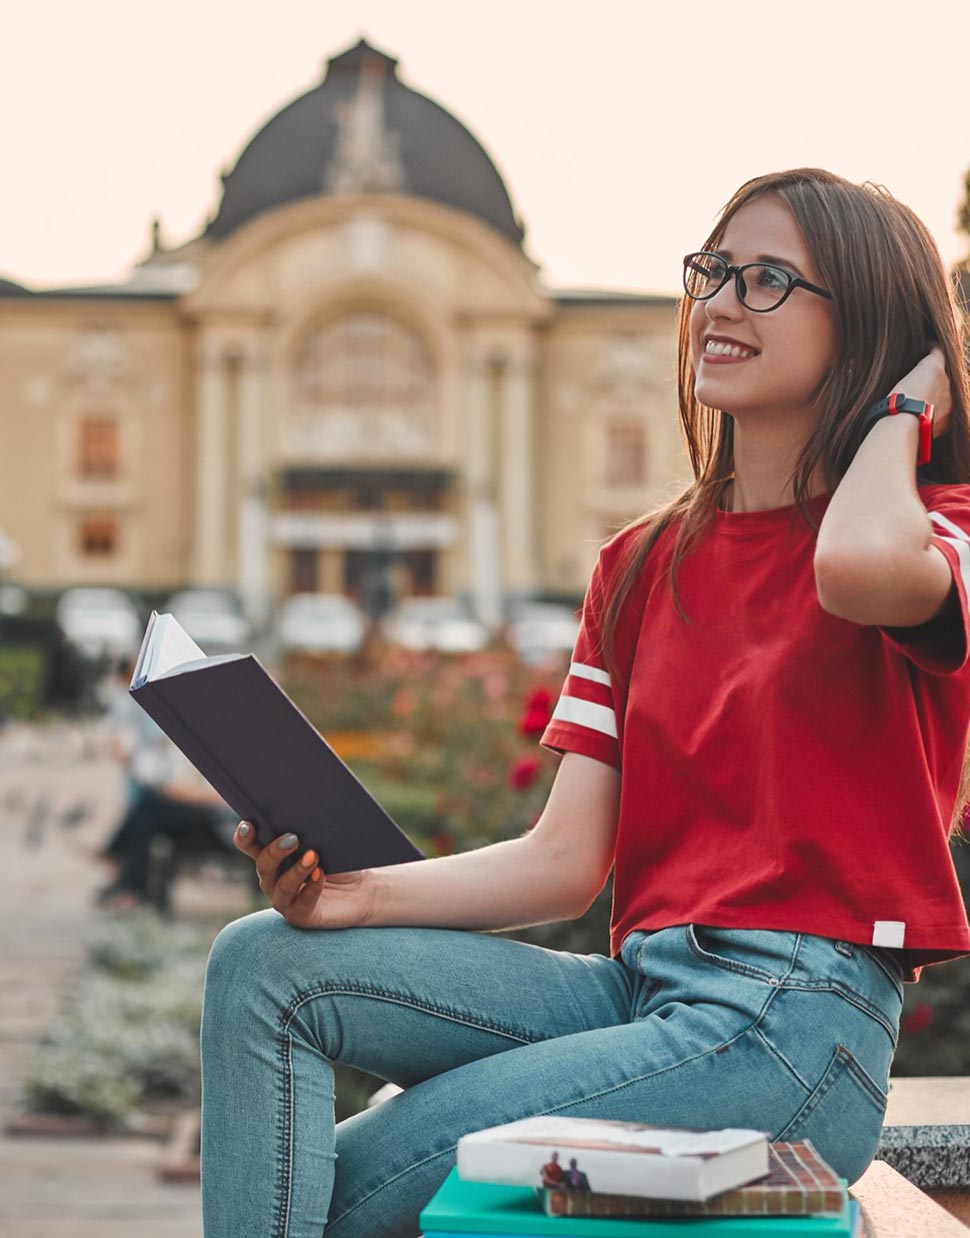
[404, 1004]
[769, 1030]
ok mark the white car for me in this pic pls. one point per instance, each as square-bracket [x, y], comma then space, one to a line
[541, 630]
[441, 623]
[100, 623]
[320, 623]
[213, 618]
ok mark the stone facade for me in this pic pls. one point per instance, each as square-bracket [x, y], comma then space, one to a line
[364, 374]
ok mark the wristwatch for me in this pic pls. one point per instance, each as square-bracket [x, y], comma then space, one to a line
[899, 403]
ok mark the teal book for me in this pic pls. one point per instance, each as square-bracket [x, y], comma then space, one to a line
[461, 1209]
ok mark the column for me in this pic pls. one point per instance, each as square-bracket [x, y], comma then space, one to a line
[517, 473]
[252, 529]
[482, 514]
[209, 541]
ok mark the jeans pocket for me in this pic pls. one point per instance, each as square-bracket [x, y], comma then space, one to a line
[842, 1116]
[759, 954]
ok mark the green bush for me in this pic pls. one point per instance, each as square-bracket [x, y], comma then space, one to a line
[23, 675]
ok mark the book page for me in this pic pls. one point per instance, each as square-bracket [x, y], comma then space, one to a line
[167, 646]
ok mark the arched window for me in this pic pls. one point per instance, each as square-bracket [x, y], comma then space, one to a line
[625, 457]
[363, 360]
[362, 387]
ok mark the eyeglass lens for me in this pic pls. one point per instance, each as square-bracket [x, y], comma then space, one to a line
[764, 286]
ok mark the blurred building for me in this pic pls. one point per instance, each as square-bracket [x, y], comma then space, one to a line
[355, 365]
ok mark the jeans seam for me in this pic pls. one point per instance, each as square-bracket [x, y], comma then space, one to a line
[284, 1194]
[850, 995]
[402, 999]
[780, 1057]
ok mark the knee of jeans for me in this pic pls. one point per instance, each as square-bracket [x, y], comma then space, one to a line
[241, 950]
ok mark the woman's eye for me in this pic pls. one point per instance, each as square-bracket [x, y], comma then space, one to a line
[771, 277]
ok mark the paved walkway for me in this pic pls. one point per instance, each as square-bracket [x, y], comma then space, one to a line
[59, 797]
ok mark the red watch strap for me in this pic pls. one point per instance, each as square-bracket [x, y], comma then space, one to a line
[925, 435]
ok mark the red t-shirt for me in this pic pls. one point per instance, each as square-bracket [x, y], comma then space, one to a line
[781, 768]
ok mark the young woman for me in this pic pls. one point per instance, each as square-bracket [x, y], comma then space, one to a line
[765, 728]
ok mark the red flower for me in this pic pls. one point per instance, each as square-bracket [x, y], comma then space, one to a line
[524, 772]
[443, 842]
[537, 712]
[919, 1019]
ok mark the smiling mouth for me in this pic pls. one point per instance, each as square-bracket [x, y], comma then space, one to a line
[721, 348]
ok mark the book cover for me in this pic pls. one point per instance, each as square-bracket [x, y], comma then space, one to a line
[257, 750]
[460, 1209]
[616, 1158]
[799, 1183]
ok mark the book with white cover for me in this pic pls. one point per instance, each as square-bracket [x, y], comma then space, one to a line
[625, 1158]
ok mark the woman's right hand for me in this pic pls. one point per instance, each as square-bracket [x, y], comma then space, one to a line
[303, 894]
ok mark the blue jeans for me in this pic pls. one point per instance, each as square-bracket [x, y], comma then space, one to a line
[692, 1026]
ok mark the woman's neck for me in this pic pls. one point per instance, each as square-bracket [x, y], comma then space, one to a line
[763, 467]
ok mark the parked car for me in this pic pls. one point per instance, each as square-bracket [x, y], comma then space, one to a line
[100, 623]
[541, 630]
[14, 599]
[442, 623]
[320, 623]
[214, 619]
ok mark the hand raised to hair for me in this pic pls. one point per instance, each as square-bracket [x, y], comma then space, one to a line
[928, 380]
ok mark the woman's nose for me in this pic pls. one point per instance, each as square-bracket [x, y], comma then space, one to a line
[725, 302]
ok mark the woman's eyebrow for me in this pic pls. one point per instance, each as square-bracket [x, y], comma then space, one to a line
[782, 262]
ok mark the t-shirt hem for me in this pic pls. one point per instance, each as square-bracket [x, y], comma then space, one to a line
[561, 738]
[948, 942]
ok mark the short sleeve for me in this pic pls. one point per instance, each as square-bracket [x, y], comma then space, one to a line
[940, 646]
[584, 719]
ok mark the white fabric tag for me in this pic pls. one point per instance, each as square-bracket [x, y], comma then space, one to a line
[888, 933]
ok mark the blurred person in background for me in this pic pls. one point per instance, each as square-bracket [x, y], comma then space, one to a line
[165, 796]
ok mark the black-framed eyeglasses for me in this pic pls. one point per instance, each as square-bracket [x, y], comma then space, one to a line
[761, 287]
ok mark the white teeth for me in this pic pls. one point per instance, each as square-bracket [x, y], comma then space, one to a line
[731, 350]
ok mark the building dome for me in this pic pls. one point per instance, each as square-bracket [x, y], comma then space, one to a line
[362, 131]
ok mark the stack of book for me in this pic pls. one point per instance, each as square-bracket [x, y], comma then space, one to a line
[597, 1179]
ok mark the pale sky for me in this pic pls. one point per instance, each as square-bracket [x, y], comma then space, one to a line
[620, 126]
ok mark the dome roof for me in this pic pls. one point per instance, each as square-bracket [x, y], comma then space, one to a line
[362, 131]
[8, 288]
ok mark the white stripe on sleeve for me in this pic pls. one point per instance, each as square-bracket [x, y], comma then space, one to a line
[946, 523]
[962, 548]
[585, 713]
[582, 671]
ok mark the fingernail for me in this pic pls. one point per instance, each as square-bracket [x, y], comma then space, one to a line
[288, 842]
[308, 860]
[315, 875]
[243, 830]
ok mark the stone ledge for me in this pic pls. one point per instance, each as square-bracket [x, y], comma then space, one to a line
[926, 1134]
[929, 1156]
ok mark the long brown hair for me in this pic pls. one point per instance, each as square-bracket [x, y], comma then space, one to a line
[892, 301]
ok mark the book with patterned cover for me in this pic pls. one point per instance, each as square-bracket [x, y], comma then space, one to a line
[799, 1183]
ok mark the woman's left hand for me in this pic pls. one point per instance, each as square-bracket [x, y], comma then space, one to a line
[928, 380]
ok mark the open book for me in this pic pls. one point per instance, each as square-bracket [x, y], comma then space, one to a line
[256, 749]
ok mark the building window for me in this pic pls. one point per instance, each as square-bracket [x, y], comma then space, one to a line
[98, 535]
[304, 570]
[626, 454]
[363, 360]
[99, 454]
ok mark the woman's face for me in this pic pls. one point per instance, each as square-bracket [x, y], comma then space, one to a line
[794, 345]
